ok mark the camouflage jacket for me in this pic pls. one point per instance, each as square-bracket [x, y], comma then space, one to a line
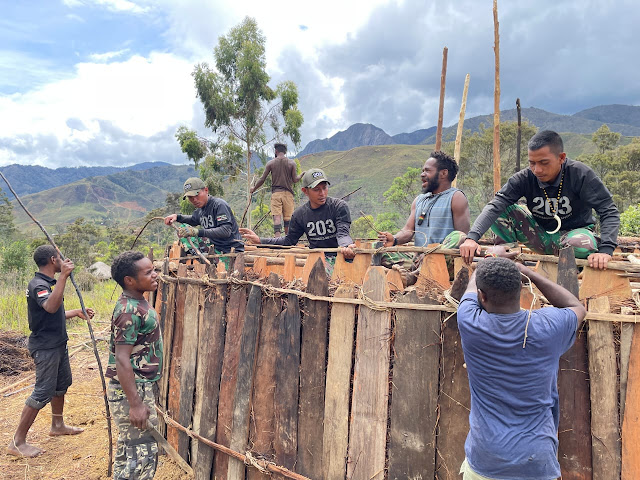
[135, 323]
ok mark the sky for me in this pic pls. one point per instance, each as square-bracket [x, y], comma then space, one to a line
[108, 82]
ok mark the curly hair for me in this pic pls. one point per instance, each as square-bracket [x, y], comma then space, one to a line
[124, 265]
[444, 161]
[43, 253]
[547, 138]
[499, 278]
[280, 147]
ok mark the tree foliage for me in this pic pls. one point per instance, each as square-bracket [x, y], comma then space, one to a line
[605, 139]
[404, 189]
[8, 229]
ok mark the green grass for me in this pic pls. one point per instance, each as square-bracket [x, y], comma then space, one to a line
[13, 303]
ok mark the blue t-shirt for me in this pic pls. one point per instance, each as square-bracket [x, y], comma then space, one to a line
[513, 424]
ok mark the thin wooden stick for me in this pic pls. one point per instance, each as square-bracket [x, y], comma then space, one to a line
[518, 135]
[443, 81]
[369, 222]
[463, 108]
[86, 316]
[496, 102]
[253, 462]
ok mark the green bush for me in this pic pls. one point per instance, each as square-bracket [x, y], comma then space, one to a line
[15, 257]
[630, 221]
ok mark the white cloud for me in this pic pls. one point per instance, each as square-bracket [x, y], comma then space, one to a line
[103, 57]
[111, 5]
[139, 96]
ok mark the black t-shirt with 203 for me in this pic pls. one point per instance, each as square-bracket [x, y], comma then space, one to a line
[48, 330]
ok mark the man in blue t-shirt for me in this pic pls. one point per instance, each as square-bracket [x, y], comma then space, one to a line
[512, 363]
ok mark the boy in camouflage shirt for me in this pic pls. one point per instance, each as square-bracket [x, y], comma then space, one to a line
[135, 365]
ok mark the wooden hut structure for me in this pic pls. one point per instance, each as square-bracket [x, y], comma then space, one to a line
[356, 378]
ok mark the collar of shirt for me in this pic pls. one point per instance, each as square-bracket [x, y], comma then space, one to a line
[47, 278]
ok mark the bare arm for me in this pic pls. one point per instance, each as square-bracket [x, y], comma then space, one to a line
[406, 234]
[460, 212]
[78, 313]
[138, 411]
[297, 178]
[267, 170]
[557, 295]
[471, 286]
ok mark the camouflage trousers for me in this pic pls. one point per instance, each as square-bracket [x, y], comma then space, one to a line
[136, 450]
[411, 262]
[517, 224]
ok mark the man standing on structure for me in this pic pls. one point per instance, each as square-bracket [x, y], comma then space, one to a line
[439, 215]
[48, 347]
[512, 359]
[283, 175]
[560, 195]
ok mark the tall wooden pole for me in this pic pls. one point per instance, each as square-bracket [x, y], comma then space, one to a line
[443, 81]
[496, 102]
[463, 108]
[519, 135]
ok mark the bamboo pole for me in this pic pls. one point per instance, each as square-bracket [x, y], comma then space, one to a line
[496, 102]
[443, 81]
[463, 108]
[518, 135]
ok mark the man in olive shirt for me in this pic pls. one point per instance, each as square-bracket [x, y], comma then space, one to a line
[283, 175]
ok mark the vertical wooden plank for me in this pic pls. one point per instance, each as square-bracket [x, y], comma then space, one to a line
[192, 311]
[209, 370]
[414, 395]
[526, 297]
[244, 383]
[597, 283]
[369, 404]
[260, 266]
[262, 405]
[454, 403]
[574, 432]
[626, 336]
[548, 270]
[289, 272]
[336, 404]
[312, 375]
[631, 423]
[312, 258]
[236, 308]
[433, 270]
[173, 402]
[604, 395]
[287, 375]
[167, 319]
[353, 271]
[394, 280]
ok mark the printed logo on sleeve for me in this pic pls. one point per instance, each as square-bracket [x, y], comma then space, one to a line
[222, 218]
[42, 293]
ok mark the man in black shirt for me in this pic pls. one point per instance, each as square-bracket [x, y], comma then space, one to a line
[560, 195]
[213, 220]
[324, 220]
[48, 347]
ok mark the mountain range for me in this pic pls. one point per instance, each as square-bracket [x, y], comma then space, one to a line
[624, 119]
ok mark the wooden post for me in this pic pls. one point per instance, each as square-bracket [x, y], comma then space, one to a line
[414, 398]
[496, 102]
[168, 311]
[208, 373]
[235, 321]
[574, 433]
[262, 404]
[244, 383]
[173, 388]
[336, 404]
[190, 327]
[604, 395]
[631, 423]
[463, 108]
[443, 81]
[285, 442]
[369, 403]
[626, 336]
[312, 375]
[518, 135]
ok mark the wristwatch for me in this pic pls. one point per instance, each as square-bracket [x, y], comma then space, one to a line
[395, 241]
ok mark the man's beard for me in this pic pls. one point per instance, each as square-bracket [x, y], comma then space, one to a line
[433, 185]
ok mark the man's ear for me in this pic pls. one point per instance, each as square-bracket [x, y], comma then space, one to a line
[128, 280]
[482, 297]
[305, 191]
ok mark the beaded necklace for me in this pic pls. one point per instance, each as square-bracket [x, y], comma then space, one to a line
[553, 210]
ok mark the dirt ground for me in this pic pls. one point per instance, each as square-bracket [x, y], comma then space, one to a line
[78, 457]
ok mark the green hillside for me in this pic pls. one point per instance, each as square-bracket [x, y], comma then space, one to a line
[117, 198]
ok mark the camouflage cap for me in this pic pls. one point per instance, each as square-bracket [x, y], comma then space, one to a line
[313, 177]
[192, 186]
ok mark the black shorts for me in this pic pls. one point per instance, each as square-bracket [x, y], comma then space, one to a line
[53, 375]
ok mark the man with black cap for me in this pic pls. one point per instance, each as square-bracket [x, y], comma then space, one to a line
[324, 220]
[284, 174]
[212, 221]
